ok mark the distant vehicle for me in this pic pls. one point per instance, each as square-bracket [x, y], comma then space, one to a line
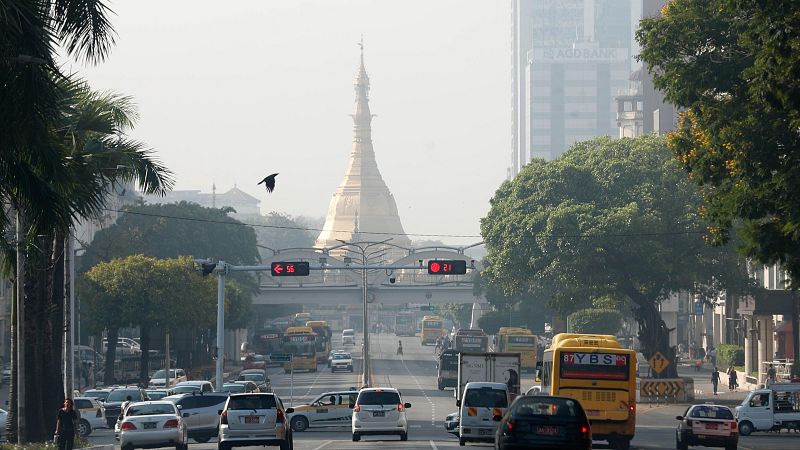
[116, 398]
[200, 413]
[300, 319]
[153, 424]
[125, 346]
[770, 409]
[379, 411]
[488, 367]
[522, 341]
[257, 376]
[432, 329]
[447, 369]
[156, 394]
[591, 367]
[254, 419]
[255, 361]
[708, 425]
[266, 341]
[480, 404]
[348, 337]
[239, 388]
[93, 415]
[159, 378]
[331, 409]
[543, 422]
[342, 361]
[333, 352]
[323, 338]
[300, 342]
[471, 340]
[404, 324]
[451, 423]
[192, 386]
[100, 394]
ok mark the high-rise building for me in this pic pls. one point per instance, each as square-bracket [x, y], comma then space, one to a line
[569, 59]
[659, 116]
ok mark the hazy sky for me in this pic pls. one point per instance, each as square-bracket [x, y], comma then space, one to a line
[231, 91]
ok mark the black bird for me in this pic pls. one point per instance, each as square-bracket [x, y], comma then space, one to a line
[269, 182]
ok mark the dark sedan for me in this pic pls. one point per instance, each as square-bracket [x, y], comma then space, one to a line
[544, 422]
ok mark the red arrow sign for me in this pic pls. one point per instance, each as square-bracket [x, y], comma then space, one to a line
[277, 269]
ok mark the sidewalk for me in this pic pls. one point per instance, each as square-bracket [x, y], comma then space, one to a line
[703, 390]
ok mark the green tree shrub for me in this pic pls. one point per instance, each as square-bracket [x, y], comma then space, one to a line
[596, 321]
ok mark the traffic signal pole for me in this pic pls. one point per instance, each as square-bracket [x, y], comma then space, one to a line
[221, 272]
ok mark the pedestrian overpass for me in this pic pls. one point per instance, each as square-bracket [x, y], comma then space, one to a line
[340, 284]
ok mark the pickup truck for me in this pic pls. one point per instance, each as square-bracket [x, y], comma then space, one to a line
[770, 409]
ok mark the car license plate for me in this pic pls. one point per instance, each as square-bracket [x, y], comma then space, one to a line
[711, 426]
[251, 419]
[378, 413]
[485, 432]
[547, 430]
[148, 425]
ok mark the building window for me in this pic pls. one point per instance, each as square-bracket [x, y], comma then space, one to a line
[628, 106]
[640, 105]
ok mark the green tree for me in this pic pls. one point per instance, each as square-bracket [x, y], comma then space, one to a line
[732, 67]
[595, 321]
[609, 218]
[491, 321]
[285, 231]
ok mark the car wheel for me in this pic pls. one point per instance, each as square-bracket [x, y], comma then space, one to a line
[84, 429]
[356, 437]
[299, 423]
[202, 439]
[680, 445]
[745, 428]
[403, 436]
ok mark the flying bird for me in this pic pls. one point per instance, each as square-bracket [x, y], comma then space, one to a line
[269, 182]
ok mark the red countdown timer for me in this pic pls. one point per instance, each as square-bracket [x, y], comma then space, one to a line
[290, 269]
[447, 267]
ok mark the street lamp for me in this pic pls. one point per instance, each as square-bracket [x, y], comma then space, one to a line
[363, 251]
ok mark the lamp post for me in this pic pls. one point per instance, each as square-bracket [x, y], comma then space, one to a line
[363, 251]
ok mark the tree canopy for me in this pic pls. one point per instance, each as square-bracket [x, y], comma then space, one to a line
[609, 218]
[733, 67]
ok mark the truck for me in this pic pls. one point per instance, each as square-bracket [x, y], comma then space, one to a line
[488, 367]
[471, 340]
[771, 409]
[404, 324]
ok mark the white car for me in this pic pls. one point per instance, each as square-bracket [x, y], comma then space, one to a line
[348, 337]
[331, 409]
[254, 419]
[187, 387]
[380, 411]
[93, 415]
[341, 361]
[159, 378]
[152, 424]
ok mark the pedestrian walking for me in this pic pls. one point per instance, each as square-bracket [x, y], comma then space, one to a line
[715, 379]
[772, 375]
[712, 354]
[733, 379]
[66, 425]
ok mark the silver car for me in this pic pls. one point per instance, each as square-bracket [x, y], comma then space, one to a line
[254, 419]
[152, 424]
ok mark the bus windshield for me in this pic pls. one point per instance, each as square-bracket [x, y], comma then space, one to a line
[594, 366]
[521, 341]
[432, 324]
[302, 346]
[448, 361]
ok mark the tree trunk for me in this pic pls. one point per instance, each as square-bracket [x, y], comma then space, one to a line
[111, 355]
[653, 333]
[144, 363]
[11, 421]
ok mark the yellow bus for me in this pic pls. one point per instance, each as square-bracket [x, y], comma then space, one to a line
[598, 372]
[301, 318]
[519, 340]
[432, 329]
[301, 343]
[324, 334]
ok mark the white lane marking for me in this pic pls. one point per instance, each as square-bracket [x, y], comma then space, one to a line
[413, 377]
[323, 445]
[433, 446]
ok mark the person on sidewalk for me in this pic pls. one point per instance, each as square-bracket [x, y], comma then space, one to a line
[715, 379]
[66, 426]
[733, 379]
[772, 375]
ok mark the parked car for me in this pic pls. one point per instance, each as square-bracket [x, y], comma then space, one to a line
[331, 409]
[254, 419]
[379, 411]
[708, 425]
[200, 413]
[257, 376]
[116, 398]
[93, 415]
[543, 422]
[152, 424]
[342, 361]
[159, 379]
[192, 386]
[451, 423]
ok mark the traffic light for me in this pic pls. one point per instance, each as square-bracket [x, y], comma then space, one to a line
[290, 269]
[207, 268]
[447, 267]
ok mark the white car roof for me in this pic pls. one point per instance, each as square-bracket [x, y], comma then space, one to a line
[483, 384]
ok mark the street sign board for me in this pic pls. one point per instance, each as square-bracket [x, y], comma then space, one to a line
[447, 267]
[698, 309]
[280, 357]
[658, 362]
[290, 269]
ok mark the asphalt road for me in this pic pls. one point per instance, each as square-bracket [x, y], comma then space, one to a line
[414, 374]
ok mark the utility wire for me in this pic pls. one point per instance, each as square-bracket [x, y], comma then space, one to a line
[384, 233]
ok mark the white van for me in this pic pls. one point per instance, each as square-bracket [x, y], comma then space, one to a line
[770, 409]
[348, 337]
[480, 408]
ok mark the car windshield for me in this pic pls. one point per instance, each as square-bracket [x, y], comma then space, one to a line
[486, 397]
[120, 395]
[163, 374]
[255, 377]
[251, 402]
[184, 389]
[234, 387]
[150, 409]
[543, 406]
[378, 398]
[711, 412]
[156, 395]
[341, 356]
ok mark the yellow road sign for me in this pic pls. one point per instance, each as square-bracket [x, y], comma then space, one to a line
[658, 362]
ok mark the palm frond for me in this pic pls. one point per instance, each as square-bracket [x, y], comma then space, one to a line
[84, 28]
